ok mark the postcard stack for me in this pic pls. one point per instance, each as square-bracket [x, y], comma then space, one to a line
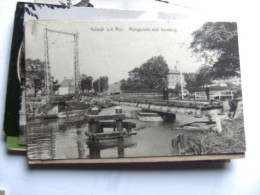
[89, 85]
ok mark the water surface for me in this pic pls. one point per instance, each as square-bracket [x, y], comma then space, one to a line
[62, 139]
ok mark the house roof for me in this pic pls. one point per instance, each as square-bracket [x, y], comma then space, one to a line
[67, 83]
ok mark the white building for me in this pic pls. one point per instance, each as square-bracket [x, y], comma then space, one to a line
[174, 78]
[114, 88]
[66, 87]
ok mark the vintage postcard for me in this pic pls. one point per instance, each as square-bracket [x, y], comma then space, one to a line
[132, 89]
[35, 11]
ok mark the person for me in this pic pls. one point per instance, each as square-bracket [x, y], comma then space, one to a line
[207, 92]
[165, 88]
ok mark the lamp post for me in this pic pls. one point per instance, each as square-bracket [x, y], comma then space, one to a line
[181, 80]
[180, 46]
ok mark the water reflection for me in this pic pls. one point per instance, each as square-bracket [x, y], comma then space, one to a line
[95, 146]
[56, 139]
[66, 139]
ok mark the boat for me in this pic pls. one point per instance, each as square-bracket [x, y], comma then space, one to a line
[71, 113]
[43, 116]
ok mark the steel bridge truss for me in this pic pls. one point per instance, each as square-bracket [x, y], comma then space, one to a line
[48, 77]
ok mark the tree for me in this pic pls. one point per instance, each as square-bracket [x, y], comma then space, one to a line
[190, 79]
[203, 77]
[84, 3]
[123, 84]
[86, 82]
[199, 79]
[148, 76]
[31, 7]
[101, 84]
[35, 75]
[55, 85]
[177, 89]
[217, 44]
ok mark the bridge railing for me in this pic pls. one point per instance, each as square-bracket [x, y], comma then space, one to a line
[213, 95]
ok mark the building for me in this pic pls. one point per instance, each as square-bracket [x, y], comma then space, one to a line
[66, 87]
[114, 88]
[174, 78]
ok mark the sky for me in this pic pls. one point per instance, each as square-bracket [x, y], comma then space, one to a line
[111, 53]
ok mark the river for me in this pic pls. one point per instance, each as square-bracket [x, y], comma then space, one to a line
[56, 139]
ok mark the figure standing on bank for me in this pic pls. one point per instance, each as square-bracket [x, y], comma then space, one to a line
[207, 92]
[165, 88]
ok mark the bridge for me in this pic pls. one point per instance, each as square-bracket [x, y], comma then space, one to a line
[169, 108]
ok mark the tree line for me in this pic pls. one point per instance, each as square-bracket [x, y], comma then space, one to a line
[148, 76]
[98, 85]
[35, 79]
[215, 45]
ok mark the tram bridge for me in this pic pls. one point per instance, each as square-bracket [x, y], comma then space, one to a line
[169, 108]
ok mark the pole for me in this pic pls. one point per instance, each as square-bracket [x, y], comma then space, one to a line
[181, 86]
[76, 68]
[181, 82]
[180, 46]
[48, 84]
[99, 85]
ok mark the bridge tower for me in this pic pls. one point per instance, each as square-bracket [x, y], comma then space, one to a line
[48, 77]
[76, 68]
[48, 80]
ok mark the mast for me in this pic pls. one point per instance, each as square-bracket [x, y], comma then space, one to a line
[180, 46]
[181, 80]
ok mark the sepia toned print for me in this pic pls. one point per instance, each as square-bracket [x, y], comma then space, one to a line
[116, 89]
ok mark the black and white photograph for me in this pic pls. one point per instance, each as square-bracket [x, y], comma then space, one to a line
[98, 89]
[67, 11]
[64, 10]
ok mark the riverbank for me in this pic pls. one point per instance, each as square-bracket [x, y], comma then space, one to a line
[230, 140]
[153, 138]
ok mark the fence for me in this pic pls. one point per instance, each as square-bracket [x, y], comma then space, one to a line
[213, 95]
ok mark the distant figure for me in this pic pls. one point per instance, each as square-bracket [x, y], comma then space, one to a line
[165, 88]
[207, 92]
